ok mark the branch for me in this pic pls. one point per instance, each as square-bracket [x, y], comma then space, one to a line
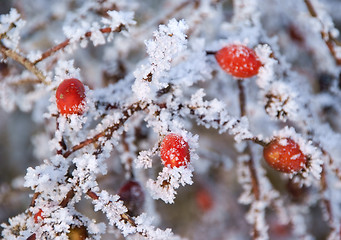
[327, 37]
[326, 201]
[107, 133]
[124, 216]
[250, 163]
[66, 42]
[23, 61]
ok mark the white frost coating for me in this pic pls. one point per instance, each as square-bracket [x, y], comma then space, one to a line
[168, 180]
[97, 37]
[88, 166]
[297, 213]
[281, 102]
[65, 70]
[266, 74]
[213, 114]
[118, 18]
[244, 178]
[113, 208]
[144, 159]
[11, 24]
[256, 217]
[7, 19]
[144, 226]
[76, 32]
[19, 220]
[168, 42]
[45, 176]
[34, 55]
[325, 18]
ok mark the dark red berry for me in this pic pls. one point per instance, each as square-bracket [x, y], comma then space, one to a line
[131, 193]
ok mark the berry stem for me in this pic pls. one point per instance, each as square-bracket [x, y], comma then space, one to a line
[250, 163]
[61, 142]
[211, 52]
[242, 97]
[257, 141]
[242, 101]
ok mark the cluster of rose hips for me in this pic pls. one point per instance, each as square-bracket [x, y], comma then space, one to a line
[282, 154]
[236, 59]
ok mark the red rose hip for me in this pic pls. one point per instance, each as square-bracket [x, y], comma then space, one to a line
[174, 151]
[70, 97]
[284, 155]
[238, 60]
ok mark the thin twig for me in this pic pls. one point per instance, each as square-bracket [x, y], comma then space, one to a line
[61, 142]
[250, 163]
[67, 198]
[66, 42]
[326, 200]
[33, 201]
[327, 37]
[210, 52]
[107, 133]
[124, 216]
[23, 61]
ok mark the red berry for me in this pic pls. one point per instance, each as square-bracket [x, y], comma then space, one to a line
[70, 97]
[284, 155]
[132, 195]
[174, 151]
[238, 60]
[38, 217]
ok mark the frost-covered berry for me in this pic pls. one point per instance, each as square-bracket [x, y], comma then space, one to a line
[174, 151]
[38, 216]
[238, 60]
[70, 97]
[131, 193]
[284, 155]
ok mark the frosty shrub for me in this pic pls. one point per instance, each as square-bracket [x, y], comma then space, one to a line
[172, 119]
